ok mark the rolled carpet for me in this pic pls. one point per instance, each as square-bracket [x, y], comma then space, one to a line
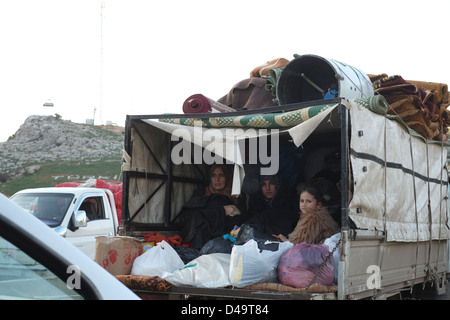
[198, 103]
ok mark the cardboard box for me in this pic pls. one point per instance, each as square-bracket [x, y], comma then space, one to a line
[117, 254]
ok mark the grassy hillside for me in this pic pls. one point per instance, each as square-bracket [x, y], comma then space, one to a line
[48, 150]
[53, 173]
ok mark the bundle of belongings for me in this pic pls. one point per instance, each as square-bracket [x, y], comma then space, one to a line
[257, 91]
[250, 260]
[421, 105]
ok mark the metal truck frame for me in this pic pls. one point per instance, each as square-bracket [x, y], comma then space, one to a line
[393, 202]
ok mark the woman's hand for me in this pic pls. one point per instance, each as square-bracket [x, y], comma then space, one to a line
[280, 237]
[231, 210]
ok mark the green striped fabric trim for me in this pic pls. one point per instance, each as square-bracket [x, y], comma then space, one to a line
[269, 121]
[377, 104]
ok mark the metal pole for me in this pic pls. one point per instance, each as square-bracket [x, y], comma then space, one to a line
[169, 183]
[126, 175]
[345, 158]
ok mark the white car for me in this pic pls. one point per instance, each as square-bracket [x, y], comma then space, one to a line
[37, 263]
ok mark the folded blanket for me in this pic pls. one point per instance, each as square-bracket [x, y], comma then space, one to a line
[396, 84]
[198, 103]
[421, 105]
[263, 70]
[408, 108]
[439, 91]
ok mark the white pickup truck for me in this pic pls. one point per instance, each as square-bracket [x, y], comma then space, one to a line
[37, 264]
[78, 214]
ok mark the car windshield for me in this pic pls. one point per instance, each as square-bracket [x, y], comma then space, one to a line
[22, 277]
[49, 208]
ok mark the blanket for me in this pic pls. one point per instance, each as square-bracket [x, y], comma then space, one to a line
[314, 288]
[421, 105]
[263, 70]
[439, 91]
[154, 283]
[249, 94]
[395, 85]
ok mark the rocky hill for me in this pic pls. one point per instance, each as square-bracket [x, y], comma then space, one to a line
[43, 139]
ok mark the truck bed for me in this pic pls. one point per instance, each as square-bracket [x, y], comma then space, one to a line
[156, 288]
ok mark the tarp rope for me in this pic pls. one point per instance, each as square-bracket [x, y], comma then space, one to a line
[443, 162]
[411, 153]
[430, 218]
[383, 245]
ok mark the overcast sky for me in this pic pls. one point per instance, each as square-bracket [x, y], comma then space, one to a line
[111, 58]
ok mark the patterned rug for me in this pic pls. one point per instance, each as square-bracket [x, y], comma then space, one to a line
[260, 120]
[277, 120]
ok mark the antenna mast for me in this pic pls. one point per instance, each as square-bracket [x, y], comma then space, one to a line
[102, 6]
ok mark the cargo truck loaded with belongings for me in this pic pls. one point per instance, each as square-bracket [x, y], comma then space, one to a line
[385, 186]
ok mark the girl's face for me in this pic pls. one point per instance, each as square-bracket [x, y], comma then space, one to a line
[308, 203]
[218, 180]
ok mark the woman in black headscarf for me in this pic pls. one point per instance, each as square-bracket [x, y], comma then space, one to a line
[212, 213]
[274, 209]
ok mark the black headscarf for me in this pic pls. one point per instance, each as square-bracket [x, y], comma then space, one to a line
[275, 181]
[276, 215]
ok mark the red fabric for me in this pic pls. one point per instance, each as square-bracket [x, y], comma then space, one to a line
[116, 190]
[105, 185]
[158, 237]
[175, 240]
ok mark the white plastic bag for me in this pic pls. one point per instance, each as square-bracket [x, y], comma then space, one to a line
[206, 271]
[332, 243]
[249, 265]
[160, 260]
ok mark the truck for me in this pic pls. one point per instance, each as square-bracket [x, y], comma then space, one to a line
[79, 214]
[392, 211]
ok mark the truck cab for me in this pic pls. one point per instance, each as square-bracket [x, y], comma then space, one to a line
[78, 214]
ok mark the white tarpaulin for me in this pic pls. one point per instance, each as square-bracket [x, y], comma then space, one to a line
[399, 180]
[225, 143]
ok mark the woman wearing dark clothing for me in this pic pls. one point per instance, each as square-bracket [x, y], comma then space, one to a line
[274, 209]
[213, 213]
